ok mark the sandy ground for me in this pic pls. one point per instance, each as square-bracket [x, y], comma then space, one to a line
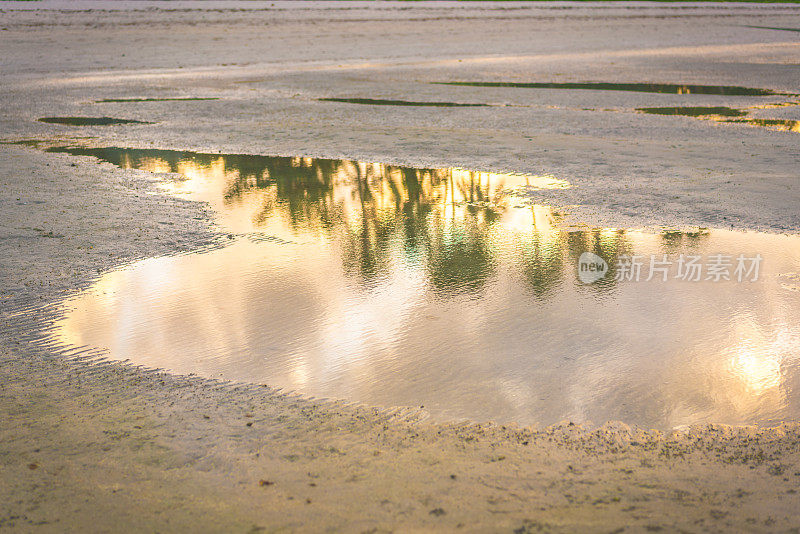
[107, 447]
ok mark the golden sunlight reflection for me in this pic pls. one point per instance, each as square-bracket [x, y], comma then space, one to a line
[758, 361]
[446, 288]
[758, 370]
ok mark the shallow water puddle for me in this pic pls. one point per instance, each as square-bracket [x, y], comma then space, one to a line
[725, 114]
[441, 287]
[381, 102]
[89, 121]
[774, 28]
[156, 99]
[695, 111]
[679, 89]
[782, 125]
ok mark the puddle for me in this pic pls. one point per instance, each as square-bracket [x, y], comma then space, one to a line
[781, 125]
[695, 111]
[379, 102]
[679, 89]
[89, 121]
[723, 114]
[166, 99]
[394, 286]
[776, 105]
[774, 28]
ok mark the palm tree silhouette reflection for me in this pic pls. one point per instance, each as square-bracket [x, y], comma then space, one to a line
[459, 226]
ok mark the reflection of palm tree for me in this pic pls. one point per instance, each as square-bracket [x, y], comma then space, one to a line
[368, 243]
[541, 259]
[674, 241]
[458, 256]
[608, 244]
[444, 220]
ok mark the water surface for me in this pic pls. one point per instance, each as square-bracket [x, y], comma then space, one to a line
[782, 125]
[156, 99]
[383, 102]
[678, 89]
[395, 286]
[89, 121]
[729, 115]
[775, 28]
[695, 111]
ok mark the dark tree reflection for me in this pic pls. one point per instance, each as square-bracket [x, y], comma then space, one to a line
[455, 224]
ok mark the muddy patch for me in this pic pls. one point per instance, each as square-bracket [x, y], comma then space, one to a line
[89, 121]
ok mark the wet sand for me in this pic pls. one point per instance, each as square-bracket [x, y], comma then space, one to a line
[101, 447]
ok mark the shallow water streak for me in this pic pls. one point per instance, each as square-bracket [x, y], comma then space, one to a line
[156, 99]
[441, 287]
[89, 121]
[729, 115]
[695, 111]
[680, 89]
[381, 102]
[781, 125]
